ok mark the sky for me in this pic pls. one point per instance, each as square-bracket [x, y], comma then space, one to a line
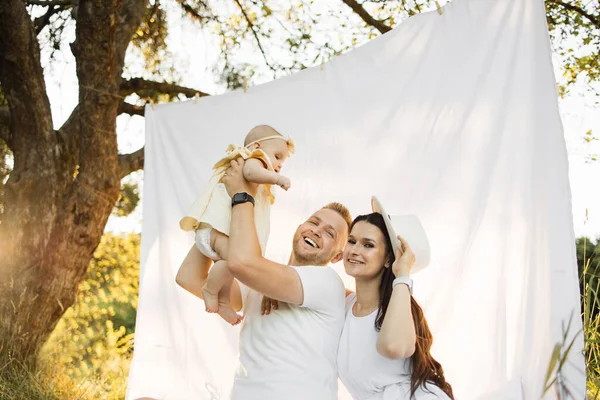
[195, 51]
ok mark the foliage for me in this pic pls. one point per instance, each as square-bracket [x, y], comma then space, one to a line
[150, 37]
[589, 138]
[48, 383]
[93, 340]
[292, 35]
[588, 261]
[575, 31]
[128, 199]
[588, 264]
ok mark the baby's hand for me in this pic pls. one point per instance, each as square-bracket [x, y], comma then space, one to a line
[284, 182]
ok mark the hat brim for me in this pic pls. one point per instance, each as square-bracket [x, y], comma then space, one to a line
[408, 227]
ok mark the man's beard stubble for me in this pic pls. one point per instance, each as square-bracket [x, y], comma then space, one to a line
[309, 259]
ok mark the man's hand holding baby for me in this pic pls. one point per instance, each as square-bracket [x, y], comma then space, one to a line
[235, 182]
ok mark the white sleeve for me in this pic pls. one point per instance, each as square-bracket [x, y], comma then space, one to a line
[323, 289]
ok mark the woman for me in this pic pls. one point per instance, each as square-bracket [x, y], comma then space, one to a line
[384, 347]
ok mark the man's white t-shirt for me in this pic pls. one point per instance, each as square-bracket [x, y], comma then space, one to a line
[291, 353]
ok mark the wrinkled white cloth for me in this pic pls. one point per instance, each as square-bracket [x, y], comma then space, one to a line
[453, 117]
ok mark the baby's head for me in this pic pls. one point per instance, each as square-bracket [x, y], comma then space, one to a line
[277, 148]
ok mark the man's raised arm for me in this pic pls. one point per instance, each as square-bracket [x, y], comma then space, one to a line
[245, 260]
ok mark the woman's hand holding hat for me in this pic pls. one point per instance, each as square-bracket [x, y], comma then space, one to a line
[405, 260]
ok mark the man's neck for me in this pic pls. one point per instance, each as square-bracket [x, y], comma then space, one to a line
[295, 263]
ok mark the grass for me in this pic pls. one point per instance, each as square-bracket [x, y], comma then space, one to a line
[590, 282]
[18, 382]
[589, 271]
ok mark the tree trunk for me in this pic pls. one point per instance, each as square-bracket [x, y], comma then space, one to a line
[64, 183]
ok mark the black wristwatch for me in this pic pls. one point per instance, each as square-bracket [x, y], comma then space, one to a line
[240, 198]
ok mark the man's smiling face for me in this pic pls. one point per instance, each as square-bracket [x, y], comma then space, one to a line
[320, 238]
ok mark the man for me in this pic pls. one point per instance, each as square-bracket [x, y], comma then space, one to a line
[291, 354]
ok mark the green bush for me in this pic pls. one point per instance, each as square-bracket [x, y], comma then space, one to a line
[94, 339]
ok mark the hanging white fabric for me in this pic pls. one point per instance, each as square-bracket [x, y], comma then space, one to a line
[453, 117]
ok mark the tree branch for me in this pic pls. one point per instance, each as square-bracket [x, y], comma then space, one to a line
[131, 109]
[129, 163]
[195, 11]
[23, 85]
[255, 33]
[593, 19]
[47, 3]
[130, 17]
[5, 125]
[368, 18]
[143, 88]
[41, 22]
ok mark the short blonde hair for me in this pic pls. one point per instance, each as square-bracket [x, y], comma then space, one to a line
[342, 211]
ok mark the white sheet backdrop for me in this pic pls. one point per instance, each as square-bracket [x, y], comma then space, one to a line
[452, 117]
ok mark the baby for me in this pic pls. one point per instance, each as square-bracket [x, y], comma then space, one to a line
[265, 150]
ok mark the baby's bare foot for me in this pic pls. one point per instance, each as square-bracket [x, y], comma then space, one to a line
[211, 300]
[228, 313]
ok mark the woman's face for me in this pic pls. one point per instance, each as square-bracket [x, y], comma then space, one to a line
[365, 252]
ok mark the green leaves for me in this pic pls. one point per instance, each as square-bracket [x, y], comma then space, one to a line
[575, 36]
[93, 341]
[150, 37]
[128, 200]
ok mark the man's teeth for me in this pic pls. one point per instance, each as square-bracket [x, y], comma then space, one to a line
[310, 242]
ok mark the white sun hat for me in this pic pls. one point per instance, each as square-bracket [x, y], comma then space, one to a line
[409, 227]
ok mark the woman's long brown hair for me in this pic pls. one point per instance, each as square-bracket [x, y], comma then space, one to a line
[425, 369]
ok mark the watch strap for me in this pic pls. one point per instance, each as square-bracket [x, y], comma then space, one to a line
[404, 280]
[240, 198]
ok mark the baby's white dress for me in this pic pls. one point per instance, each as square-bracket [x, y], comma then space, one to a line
[212, 207]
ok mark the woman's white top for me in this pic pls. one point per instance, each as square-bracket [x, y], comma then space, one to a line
[367, 374]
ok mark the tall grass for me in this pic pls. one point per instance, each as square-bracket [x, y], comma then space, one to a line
[590, 284]
[48, 382]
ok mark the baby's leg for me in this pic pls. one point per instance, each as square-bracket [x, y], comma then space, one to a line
[219, 243]
[217, 279]
[225, 310]
[207, 241]
[217, 290]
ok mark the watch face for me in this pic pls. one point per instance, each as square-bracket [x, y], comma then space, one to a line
[239, 198]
